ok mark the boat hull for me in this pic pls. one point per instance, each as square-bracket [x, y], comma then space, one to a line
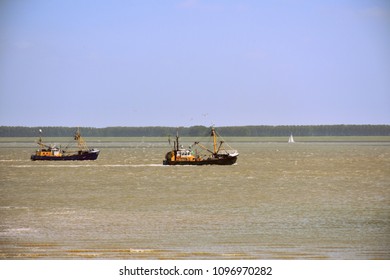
[90, 155]
[209, 161]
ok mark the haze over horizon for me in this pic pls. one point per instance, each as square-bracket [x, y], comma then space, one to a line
[194, 62]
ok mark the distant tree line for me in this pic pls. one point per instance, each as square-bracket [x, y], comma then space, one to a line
[158, 131]
[308, 130]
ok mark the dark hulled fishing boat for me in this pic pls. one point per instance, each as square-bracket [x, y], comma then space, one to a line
[46, 152]
[218, 156]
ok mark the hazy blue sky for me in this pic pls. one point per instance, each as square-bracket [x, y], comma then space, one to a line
[194, 62]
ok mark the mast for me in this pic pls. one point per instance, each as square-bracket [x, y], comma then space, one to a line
[80, 141]
[176, 144]
[214, 140]
[40, 139]
[177, 140]
[40, 143]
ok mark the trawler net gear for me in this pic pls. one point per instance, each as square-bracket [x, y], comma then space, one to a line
[169, 155]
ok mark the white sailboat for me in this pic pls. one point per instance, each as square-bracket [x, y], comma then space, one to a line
[291, 139]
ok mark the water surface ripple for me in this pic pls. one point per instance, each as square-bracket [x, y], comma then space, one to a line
[280, 201]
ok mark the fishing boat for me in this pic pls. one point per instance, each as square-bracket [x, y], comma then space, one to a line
[52, 152]
[192, 156]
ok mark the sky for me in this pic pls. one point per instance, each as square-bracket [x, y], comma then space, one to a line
[194, 62]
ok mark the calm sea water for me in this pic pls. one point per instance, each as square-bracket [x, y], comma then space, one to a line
[280, 201]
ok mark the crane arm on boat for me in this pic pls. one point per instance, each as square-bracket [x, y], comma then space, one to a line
[203, 147]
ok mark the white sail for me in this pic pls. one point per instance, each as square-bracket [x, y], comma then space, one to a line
[291, 139]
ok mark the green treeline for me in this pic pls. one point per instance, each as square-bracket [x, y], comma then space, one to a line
[159, 131]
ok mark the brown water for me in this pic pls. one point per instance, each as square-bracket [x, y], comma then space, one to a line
[280, 201]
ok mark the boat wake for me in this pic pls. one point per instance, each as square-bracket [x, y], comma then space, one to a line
[128, 165]
[87, 165]
[147, 165]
